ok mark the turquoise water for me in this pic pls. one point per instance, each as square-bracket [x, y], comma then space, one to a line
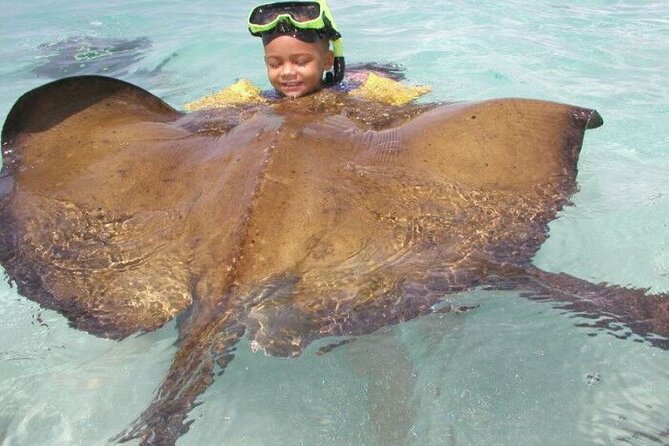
[509, 372]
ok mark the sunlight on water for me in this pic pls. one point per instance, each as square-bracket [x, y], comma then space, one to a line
[508, 372]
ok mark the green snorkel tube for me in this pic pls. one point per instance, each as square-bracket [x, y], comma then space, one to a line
[302, 16]
[337, 48]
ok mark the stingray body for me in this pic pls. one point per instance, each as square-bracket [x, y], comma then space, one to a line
[79, 55]
[321, 216]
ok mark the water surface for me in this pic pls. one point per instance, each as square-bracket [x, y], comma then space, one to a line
[510, 371]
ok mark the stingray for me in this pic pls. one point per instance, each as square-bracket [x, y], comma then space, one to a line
[80, 55]
[302, 219]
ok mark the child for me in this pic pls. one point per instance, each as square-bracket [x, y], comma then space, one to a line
[296, 39]
[295, 66]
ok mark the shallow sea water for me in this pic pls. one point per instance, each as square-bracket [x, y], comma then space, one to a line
[511, 372]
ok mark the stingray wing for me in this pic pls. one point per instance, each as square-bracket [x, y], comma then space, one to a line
[107, 196]
[409, 214]
[501, 144]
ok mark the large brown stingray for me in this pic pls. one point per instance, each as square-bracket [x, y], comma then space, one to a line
[289, 222]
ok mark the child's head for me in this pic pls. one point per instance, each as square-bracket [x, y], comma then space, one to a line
[296, 38]
[296, 63]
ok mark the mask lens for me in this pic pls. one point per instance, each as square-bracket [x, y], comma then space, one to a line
[300, 12]
[306, 13]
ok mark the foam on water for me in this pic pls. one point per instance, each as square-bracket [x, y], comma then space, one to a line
[510, 371]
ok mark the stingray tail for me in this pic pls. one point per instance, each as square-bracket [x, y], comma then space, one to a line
[201, 352]
[610, 307]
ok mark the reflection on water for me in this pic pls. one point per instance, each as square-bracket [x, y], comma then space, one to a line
[510, 371]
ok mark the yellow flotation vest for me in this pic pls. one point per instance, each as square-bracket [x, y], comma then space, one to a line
[375, 88]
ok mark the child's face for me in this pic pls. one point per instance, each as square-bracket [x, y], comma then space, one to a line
[295, 68]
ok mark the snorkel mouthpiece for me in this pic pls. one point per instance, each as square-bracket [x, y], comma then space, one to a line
[304, 20]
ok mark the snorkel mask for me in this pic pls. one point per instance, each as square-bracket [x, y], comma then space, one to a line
[300, 18]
